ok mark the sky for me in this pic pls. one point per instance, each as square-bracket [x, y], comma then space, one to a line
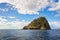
[15, 14]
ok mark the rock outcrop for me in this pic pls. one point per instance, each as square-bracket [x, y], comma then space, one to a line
[38, 24]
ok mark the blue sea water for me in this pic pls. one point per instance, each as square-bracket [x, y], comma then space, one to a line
[16, 34]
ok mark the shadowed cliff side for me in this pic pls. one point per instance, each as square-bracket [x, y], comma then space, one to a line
[38, 24]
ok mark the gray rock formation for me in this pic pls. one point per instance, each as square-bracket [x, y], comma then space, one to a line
[38, 24]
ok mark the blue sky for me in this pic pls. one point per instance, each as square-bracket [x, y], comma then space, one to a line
[13, 14]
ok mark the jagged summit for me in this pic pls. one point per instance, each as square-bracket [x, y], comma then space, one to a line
[40, 23]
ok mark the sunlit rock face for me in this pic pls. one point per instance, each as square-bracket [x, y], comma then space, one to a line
[38, 24]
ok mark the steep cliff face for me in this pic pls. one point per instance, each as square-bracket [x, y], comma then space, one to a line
[40, 23]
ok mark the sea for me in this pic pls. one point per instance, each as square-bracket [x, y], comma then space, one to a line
[17, 34]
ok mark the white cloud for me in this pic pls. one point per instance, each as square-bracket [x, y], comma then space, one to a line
[28, 6]
[58, 14]
[1, 19]
[11, 17]
[20, 24]
[31, 6]
[4, 9]
[5, 24]
[55, 25]
[54, 5]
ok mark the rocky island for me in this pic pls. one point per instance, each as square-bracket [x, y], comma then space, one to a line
[38, 24]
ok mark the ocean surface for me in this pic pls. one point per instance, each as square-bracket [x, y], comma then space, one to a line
[15, 34]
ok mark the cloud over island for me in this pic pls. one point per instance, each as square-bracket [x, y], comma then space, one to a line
[5, 24]
[27, 6]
